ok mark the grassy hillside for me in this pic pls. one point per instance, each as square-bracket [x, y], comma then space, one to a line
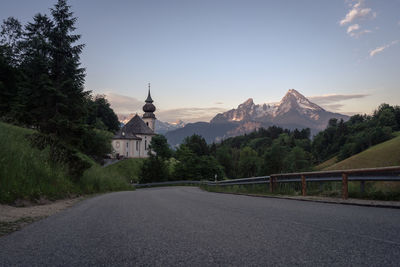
[27, 173]
[381, 155]
[325, 164]
[128, 169]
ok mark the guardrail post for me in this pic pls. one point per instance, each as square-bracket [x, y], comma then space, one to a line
[271, 184]
[362, 187]
[303, 186]
[345, 187]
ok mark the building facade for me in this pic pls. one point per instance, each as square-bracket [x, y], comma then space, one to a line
[133, 139]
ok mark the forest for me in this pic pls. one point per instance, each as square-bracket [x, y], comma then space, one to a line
[42, 88]
[269, 151]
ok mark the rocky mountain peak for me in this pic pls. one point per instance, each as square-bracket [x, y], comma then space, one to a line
[248, 103]
[294, 111]
[294, 100]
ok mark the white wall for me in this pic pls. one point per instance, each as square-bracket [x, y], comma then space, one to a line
[133, 152]
[149, 122]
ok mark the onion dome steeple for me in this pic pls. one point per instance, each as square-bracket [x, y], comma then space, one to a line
[149, 108]
[149, 100]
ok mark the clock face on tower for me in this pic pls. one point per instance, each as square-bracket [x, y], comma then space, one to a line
[117, 144]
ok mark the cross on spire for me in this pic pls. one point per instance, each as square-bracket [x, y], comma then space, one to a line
[149, 100]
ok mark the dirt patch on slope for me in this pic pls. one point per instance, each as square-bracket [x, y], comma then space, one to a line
[14, 218]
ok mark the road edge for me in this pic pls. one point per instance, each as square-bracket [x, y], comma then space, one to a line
[352, 201]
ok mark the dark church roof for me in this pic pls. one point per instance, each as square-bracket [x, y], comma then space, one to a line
[149, 107]
[121, 134]
[135, 126]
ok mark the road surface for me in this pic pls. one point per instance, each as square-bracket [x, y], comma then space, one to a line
[185, 226]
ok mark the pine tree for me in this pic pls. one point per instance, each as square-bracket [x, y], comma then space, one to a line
[36, 94]
[10, 37]
[67, 76]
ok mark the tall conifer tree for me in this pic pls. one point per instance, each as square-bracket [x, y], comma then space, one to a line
[67, 76]
[36, 94]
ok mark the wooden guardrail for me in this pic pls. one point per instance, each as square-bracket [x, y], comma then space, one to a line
[362, 175]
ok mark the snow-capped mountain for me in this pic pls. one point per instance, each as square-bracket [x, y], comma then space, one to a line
[293, 111]
[163, 127]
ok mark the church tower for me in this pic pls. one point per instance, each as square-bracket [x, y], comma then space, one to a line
[148, 117]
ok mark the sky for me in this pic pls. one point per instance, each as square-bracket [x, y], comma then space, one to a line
[208, 56]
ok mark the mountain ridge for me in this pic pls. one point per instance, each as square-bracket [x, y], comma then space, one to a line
[293, 111]
[161, 127]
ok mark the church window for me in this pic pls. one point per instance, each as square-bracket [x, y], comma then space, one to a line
[147, 123]
[145, 144]
[137, 145]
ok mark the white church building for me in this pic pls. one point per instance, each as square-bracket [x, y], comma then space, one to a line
[133, 139]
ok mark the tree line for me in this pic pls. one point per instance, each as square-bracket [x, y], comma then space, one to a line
[268, 151]
[42, 87]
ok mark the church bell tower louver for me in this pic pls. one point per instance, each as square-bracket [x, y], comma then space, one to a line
[148, 117]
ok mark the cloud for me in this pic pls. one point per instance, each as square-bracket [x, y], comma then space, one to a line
[333, 107]
[352, 28]
[325, 99]
[122, 104]
[357, 12]
[380, 49]
[189, 114]
[358, 34]
[218, 103]
[332, 101]
[126, 105]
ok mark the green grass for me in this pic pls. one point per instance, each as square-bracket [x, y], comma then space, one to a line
[382, 155]
[325, 164]
[114, 177]
[100, 180]
[128, 169]
[381, 191]
[28, 173]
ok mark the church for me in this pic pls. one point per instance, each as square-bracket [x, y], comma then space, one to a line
[133, 139]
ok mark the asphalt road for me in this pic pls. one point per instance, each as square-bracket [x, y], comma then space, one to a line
[184, 226]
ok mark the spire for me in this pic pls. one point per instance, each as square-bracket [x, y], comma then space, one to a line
[149, 100]
[149, 108]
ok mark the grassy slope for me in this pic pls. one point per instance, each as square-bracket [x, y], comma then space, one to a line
[325, 164]
[128, 168]
[27, 173]
[381, 155]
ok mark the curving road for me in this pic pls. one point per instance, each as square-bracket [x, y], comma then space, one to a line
[183, 226]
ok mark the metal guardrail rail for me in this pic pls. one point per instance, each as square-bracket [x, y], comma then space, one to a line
[362, 175]
[169, 183]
